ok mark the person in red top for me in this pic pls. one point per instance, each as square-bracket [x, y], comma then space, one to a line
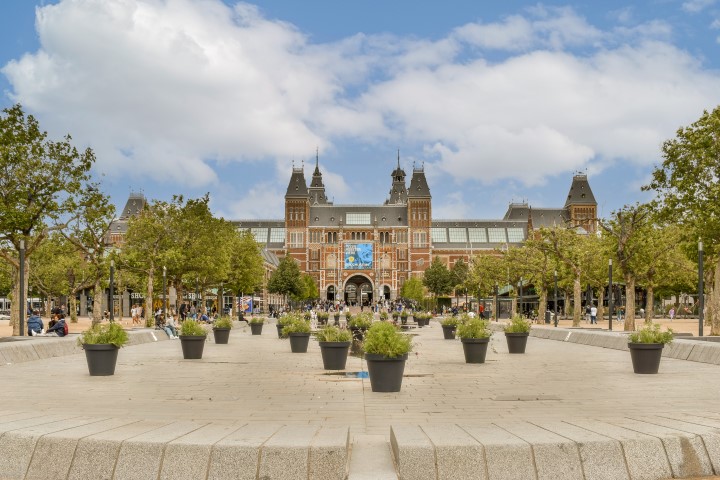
[481, 310]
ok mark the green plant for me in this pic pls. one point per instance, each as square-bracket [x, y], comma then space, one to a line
[383, 316]
[223, 322]
[333, 334]
[395, 315]
[307, 316]
[348, 316]
[384, 339]
[257, 320]
[323, 316]
[191, 328]
[297, 325]
[518, 325]
[474, 328]
[447, 322]
[404, 314]
[361, 320]
[651, 334]
[104, 333]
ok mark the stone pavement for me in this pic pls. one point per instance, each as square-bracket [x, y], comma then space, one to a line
[543, 406]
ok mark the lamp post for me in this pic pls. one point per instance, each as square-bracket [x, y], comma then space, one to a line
[71, 281]
[701, 290]
[164, 296]
[197, 296]
[556, 302]
[111, 303]
[497, 305]
[21, 288]
[610, 294]
[521, 297]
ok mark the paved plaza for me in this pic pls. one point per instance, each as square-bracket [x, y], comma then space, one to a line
[256, 380]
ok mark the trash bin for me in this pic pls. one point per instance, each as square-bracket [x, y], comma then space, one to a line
[548, 316]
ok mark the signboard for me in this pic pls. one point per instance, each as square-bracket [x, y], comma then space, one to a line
[246, 304]
[358, 256]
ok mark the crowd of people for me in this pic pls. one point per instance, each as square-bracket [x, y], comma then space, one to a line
[56, 326]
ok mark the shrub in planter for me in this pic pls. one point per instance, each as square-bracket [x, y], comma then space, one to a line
[256, 325]
[323, 318]
[281, 322]
[359, 324]
[516, 334]
[404, 318]
[449, 326]
[386, 350]
[192, 338]
[101, 343]
[646, 346]
[383, 316]
[395, 316]
[334, 345]
[475, 335]
[298, 330]
[221, 330]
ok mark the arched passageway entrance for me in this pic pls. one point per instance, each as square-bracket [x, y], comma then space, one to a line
[358, 291]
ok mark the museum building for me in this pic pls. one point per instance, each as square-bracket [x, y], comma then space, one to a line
[362, 253]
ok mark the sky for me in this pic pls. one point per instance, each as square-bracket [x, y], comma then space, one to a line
[499, 102]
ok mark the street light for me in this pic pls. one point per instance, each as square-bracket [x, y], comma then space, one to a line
[197, 295]
[521, 297]
[610, 294]
[111, 303]
[21, 302]
[164, 297]
[497, 305]
[556, 302]
[701, 290]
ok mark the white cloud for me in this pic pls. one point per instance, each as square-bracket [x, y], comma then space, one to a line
[257, 202]
[695, 6]
[164, 88]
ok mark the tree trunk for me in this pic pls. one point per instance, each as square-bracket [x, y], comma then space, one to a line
[542, 307]
[513, 307]
[600, 306]
[97, 303]
[72, 305]
[15, 311]
[712, 311]
[149, 299]
[629, 303]
[577, 301]
[649, 301]
[566, 304]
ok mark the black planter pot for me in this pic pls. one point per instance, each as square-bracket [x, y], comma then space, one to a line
[279, 329]
[299, 342]
[192, 346]
[516, 342]
[646, 357]
[449, 331]
[222, 335]
[256, 328]
[101, 359]
[385, 373]
[334, 354]
[337, 319]
[475, 349]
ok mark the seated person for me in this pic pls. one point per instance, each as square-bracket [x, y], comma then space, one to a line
[204, 318]
[170, 327]
[35, 324]
[60, 327]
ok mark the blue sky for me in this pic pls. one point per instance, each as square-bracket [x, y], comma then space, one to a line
[499, 101]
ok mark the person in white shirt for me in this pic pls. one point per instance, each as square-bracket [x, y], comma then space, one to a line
[593, 314]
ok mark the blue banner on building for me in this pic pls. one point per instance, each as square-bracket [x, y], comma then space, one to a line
[358, 256]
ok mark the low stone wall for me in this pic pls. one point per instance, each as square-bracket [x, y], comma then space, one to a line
[36, 348]
[651, 448]
[80, 448]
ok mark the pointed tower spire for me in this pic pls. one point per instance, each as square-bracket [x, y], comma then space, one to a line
[398, 166]
[317, 188]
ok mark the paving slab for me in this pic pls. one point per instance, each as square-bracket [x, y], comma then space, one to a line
[140, 458]
[285, 456]
[457, 454]
[237, 456]
[602, 457]
[555, 456]
[330, 454]
[644, 455]
[188, 457]
[507, 457]
[96, 455]
[54, 452]
[413, 452]
[18, 445]
[685, 451]
[371, 459]
[710, 436]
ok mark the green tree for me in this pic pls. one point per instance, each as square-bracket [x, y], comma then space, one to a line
[308, 288]
[687, 187]
[40, 181]
[437, 278]
[459, 277]
[412, 289]
[247, 269]
[285, 280]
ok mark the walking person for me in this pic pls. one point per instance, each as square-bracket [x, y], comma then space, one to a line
[593, 315]
[672, 313]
